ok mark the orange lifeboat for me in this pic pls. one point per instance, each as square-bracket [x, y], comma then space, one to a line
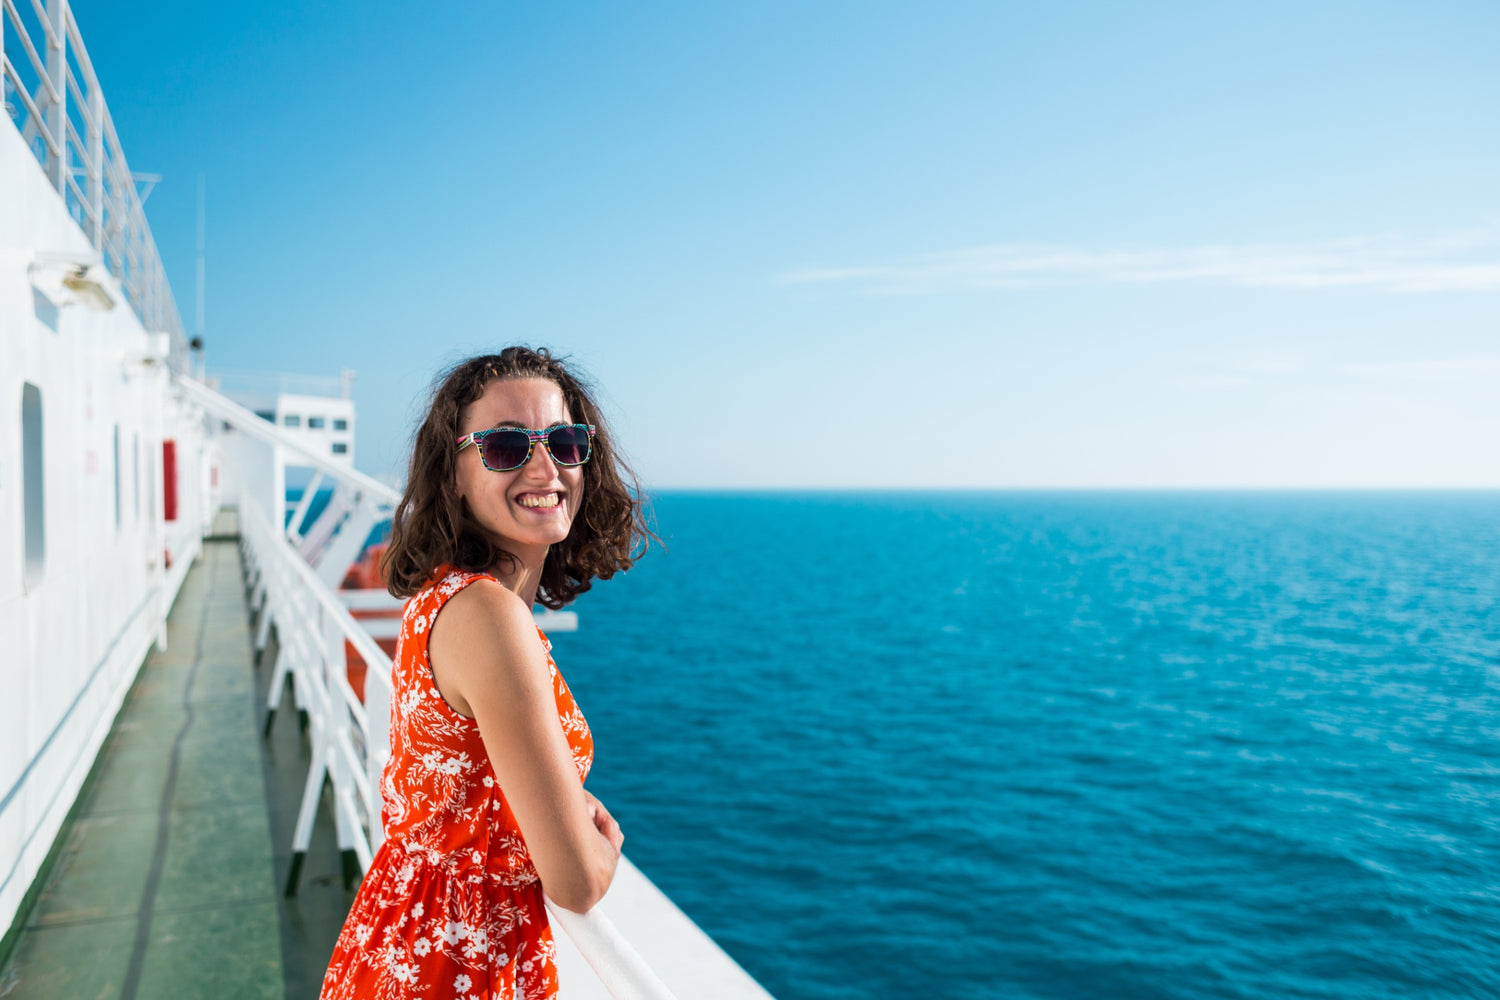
[365, 575]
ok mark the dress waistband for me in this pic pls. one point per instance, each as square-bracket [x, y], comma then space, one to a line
[468, 865]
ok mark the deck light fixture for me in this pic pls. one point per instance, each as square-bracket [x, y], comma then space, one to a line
[88, 290]
[69, 279]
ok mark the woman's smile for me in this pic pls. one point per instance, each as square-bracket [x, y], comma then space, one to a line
[542, 502]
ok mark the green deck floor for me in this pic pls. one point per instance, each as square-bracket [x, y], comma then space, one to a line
[166, 880]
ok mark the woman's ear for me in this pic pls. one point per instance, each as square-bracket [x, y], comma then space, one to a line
[458, 489]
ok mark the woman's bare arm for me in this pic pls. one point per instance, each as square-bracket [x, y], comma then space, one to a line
[490, 665]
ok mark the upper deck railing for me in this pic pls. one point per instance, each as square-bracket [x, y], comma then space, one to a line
[53, 97]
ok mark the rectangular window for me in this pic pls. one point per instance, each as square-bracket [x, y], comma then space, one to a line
[269, 416]
[33, 485]
[292, 420]
[340, 424]
[340, 448]
[315, 423]
[117, 477]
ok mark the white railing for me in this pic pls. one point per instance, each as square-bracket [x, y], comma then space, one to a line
[297, 451]
[270, 385]
[53, 97]
[350, 739]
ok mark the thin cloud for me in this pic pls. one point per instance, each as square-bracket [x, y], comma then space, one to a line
[1454, 262]
[1211, 381]
[1256, 369]
[1263, 363]
[1436, 369]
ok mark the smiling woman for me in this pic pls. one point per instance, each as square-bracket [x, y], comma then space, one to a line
[484, 806]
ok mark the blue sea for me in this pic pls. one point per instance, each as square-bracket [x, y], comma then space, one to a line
[1064, 745]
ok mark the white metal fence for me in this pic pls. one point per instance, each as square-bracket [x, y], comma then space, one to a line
[349, 737]
[53, 96]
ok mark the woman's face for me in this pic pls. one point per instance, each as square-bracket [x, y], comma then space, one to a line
[531, 507]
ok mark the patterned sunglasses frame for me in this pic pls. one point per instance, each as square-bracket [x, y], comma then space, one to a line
[477, 439]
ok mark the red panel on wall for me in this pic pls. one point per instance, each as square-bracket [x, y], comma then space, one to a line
[169, 476]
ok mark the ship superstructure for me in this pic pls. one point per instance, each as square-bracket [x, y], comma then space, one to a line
[317, 412]
[117, 459]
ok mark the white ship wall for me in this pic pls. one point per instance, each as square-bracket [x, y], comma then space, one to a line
[72, 640]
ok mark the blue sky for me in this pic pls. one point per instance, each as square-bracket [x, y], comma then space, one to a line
[860, 244]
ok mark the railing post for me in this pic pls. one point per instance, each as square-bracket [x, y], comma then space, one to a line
[377, 745]
[96, 163]
[294, 526]
[57, 75]
[276, 501]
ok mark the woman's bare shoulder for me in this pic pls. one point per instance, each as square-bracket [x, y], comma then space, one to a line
[483, 605]
[484, 634]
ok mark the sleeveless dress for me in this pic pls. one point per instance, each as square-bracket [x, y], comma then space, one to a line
[451, 906]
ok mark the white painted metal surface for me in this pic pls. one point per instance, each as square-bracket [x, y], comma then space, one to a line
[686, 960]
[77, 628]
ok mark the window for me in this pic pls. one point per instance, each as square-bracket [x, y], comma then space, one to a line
[117, 477]
[292, 420]
[269, 416]
[340, 424]
[315, 423]
[340, 448]
[34, 485]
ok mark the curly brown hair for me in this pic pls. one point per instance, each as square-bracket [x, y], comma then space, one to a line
[432, 526]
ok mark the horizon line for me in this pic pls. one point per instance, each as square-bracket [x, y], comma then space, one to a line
[1166, 488]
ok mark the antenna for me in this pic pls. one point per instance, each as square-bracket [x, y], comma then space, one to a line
[202, 198]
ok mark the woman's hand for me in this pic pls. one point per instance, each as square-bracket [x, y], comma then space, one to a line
[603, 821]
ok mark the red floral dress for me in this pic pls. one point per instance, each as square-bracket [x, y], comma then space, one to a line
[451, 906]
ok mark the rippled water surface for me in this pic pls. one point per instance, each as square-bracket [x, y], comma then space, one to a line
[1064, 745]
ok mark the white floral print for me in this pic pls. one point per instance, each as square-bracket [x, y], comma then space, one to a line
[451, 906]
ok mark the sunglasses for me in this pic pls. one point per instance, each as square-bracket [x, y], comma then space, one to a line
[503, 449]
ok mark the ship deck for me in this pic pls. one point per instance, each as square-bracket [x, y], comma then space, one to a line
[166, 880]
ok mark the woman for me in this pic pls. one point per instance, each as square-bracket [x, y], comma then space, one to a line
[514, 496]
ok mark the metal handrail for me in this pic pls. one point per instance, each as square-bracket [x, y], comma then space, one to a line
[38, 64]
[97, 154]
[619, 967]
[33, 113]
[312, 628]
[244, 420]
[369, 651]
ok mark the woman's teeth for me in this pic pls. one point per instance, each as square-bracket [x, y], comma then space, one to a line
[544, 500]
